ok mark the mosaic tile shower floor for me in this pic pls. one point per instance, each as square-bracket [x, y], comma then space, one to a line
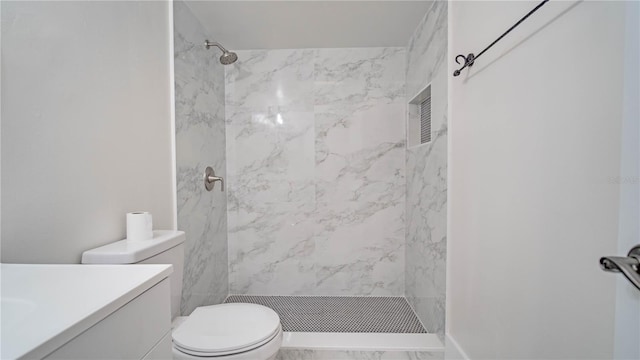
[339, 313]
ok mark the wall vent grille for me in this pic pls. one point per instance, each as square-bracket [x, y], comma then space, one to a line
[419, 127]
[425, 120]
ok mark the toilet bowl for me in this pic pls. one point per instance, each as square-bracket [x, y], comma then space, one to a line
[221, 332]
[228, 332]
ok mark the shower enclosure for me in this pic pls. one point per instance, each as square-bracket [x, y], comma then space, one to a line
[328, 216]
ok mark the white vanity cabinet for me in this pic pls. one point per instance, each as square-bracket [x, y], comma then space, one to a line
[134, 331]
[85, 312]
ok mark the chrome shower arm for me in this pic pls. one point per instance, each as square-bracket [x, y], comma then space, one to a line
[227, 57]
[208, 44]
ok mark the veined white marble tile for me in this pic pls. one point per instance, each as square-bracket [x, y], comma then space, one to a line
[204, 216]
[426, 175]
[427, 49]
[200, 142]
[271, 249]
[360, 154]
[315, 145]
[272, 161]
[426, 231]
[262, 78]
[360, 248]
[344, 77]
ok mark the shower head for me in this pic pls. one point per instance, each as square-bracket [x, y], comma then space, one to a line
[227, 57]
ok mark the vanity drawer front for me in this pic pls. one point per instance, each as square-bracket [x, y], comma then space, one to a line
[128, 333]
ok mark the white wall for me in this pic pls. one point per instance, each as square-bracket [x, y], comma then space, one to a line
[535, 142]
[627, 331]
[86, 133]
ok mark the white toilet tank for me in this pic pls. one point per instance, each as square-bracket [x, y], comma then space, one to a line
[166, 247]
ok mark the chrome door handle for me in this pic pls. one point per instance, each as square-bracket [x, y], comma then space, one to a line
[210, 179]
[629, 266]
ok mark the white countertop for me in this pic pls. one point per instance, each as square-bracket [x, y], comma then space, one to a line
[45, 306]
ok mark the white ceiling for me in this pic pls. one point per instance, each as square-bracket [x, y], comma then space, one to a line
[241, 25]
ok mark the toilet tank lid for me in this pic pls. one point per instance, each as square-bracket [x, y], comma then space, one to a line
[131, 252]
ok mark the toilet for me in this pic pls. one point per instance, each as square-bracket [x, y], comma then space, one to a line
[222, 332]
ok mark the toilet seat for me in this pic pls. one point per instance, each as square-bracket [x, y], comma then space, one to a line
[226, 329]
[228, 353]
[268, 351]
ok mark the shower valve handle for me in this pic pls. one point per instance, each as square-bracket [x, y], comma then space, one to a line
[210, 179]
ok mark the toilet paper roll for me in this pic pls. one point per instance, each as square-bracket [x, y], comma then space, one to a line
[139, 226]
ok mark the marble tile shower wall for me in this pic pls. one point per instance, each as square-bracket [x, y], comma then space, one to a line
[200, 142]
[316, 171]
[426, 224]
